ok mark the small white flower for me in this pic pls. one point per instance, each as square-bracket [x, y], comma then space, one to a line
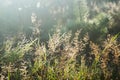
[19, 9]
[38, 4]
[33, 18]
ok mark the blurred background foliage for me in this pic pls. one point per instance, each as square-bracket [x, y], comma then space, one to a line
[98, 17]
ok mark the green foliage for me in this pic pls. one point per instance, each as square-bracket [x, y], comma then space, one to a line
[80, 10]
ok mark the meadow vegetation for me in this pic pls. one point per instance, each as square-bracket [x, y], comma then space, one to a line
[62, 59]
[85, 48]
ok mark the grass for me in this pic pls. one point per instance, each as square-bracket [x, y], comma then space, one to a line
[64, 58]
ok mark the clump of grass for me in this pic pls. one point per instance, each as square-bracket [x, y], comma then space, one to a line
[110, 58]
[12, 60]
